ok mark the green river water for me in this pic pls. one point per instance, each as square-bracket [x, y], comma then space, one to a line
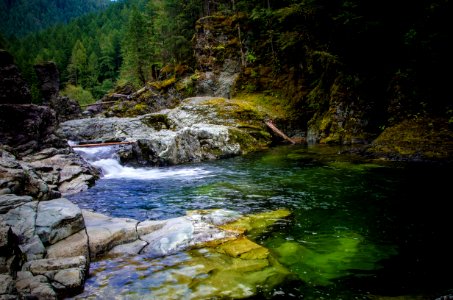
[358, 229]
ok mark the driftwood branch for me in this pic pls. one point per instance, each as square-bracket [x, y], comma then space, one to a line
[98, 103]
[101, 144]
[279, 132]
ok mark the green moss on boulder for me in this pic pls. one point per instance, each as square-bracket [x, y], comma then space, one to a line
[421, 138]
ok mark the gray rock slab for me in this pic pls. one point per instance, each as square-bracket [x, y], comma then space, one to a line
[129, 248]
[10, 201]
[33, 248]
[105, 232]
[149, 226]
[78, 184]
[58, 219]
[22, 220]
[72, 278]
[36, 287]
[74, 245]
[43, 266]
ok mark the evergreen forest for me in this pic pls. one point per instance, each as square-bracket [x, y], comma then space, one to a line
[381, 50]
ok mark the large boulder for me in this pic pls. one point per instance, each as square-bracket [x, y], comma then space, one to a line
[62, 169]
[45, 175]
[201, 128]
[13, 88]
[105, 232]
[58, 219]
[43, 162]
[49, 80]
[26, 269]
[28, 128]
[17, 177]
[64, 276]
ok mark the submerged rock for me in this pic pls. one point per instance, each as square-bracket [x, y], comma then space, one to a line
[216, 266]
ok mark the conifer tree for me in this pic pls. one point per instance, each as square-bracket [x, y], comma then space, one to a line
[78, 64]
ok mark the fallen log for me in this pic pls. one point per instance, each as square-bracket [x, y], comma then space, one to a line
[98, 103]
[101, 144]
[279, 132]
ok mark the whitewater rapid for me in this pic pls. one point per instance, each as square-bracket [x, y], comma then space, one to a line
[106, 158]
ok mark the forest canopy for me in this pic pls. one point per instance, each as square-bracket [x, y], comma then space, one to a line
[377, 43]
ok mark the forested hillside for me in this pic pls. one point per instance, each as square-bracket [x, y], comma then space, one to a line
[20, 17]
[385, 57]
[91, 50]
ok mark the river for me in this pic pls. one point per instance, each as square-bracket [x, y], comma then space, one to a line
[358, 230]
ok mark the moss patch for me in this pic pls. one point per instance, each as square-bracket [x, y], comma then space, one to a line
[157, 121]
[255, 225]
[421, 138]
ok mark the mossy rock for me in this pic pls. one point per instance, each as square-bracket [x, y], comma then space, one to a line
[164, 84]
[157, 121]
[244, 249]
[138, 109]
[255, 225]
[245, 140]
[422, 138]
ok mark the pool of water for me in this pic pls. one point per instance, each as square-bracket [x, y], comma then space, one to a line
[358, 229]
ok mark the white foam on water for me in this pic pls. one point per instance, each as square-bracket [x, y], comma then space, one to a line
[106, 159]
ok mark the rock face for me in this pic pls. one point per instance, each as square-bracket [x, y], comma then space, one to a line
[219, 54]
[19, 178]
[43, 165]
[46, 174]
[201, 128]
[62, 169]
[49, 79]
[26, 227]
[28, 128]
[13, 88]
[341, 118]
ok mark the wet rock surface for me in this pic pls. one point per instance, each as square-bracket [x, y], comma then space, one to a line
[178, 264]
[194, 131]
[46, 246]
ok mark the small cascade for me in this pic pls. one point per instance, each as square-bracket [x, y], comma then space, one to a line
[107, 159]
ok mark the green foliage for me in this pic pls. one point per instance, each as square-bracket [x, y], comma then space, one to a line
[77, 69]
[250, 57]
[317, 40]
[100, 90]
[21, 17]
[77, 93]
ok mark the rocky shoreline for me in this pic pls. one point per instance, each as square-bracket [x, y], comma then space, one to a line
[46, 241]
[46, 246]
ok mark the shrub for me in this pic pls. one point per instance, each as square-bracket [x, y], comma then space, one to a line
[79, 94]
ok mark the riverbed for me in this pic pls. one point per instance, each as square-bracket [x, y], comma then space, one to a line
[359, 229]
